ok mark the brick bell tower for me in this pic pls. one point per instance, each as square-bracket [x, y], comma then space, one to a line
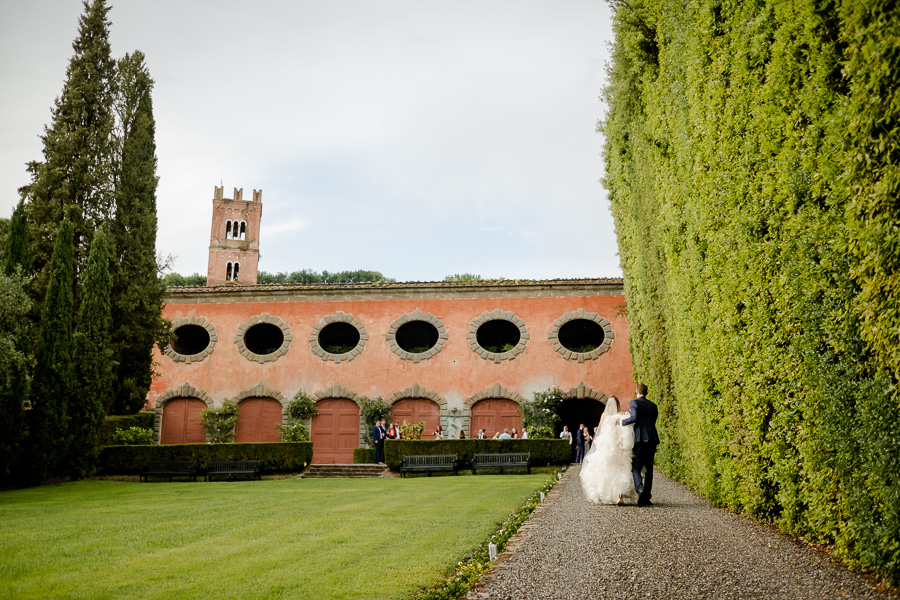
[234, 241]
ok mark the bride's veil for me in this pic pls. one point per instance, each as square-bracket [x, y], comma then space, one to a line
[609, 412]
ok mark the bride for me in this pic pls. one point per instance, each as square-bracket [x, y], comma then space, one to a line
[606, 470]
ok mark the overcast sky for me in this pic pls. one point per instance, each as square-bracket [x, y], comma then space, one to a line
[417, 138]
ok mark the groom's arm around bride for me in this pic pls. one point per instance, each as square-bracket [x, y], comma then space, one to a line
[643, 414]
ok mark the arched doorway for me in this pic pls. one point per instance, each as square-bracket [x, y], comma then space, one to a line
[414, 410]
[494, 415]
[257, 418]
[577, 411]
[335, 431]
[181, 422]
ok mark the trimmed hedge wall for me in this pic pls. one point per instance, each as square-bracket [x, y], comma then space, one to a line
[363, 456]
[114, 423]
[276, 457]
[751, 161]
[543, 452]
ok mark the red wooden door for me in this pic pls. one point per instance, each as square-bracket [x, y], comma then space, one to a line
[335, 431]
[414, 410]
[181, 422]
[495, 415]
[257, 418]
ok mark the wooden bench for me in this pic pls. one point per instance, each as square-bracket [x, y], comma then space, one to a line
[504, 460]
[232, 468]
[415, 463]
[170, 468]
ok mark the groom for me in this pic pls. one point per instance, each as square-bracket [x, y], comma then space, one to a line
[643, 415]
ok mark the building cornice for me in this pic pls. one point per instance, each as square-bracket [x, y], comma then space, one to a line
[503, 288]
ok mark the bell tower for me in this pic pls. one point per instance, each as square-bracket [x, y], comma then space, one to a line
[234, 241]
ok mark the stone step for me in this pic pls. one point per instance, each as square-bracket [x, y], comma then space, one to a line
[356, 470]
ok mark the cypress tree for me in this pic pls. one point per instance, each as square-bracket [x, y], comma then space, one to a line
[14, 306]
[75, 177]
[17, 253]
[94, 367]
[53, 388]
[138, 291]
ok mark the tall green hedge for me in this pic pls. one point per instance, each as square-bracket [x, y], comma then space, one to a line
[751, 157]
[278, 457]
[543, 452]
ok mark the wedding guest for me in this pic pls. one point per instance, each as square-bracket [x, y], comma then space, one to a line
[393, 433]
[481, 434]
[579, 444]
[524, 434]
[462, 434]
[438, 433]
[397, 428]
[496, 436]
[515, 433]
[505, 435]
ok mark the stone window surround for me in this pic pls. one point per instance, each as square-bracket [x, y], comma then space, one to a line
[256, 320]
[416, 315]
[189, 358]
[608, 335]
[497, 315]
[338, 317]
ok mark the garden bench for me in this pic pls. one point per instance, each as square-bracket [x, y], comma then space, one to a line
[502, 460]
[415, 463]
[170, 468]
[232, 468]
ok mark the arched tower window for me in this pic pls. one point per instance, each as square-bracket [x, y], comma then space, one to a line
[237, 268]
[243, 230]
[228, 229]
[228, 272]
[234, 228]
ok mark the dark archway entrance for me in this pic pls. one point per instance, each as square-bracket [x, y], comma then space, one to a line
[577, 411]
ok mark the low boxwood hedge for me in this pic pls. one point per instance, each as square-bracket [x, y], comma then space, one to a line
[114, 423]
[276, 457]
[362, 456]
[543, 452]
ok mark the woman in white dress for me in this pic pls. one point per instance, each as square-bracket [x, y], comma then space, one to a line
[606, 470]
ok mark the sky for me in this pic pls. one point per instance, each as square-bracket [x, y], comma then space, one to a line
[417, 138]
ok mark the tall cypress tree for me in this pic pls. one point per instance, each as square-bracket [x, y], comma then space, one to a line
[93, 368]
[138, 291]
[17, 252]
[14, 341]
[75, 177]
[53, 388]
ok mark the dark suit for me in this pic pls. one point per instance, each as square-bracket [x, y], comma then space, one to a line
[643, 414]
[579, 445]
[378, 438]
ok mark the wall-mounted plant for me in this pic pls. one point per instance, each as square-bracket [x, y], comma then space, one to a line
[299, 409]
[219, 422]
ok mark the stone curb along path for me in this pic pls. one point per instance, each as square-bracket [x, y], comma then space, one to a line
[681, 547]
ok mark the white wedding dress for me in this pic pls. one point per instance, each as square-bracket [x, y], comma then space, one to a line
[606, 470]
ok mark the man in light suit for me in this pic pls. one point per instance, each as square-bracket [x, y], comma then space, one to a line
[643, 414]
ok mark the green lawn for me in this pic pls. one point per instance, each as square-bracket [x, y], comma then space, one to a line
[291, 538]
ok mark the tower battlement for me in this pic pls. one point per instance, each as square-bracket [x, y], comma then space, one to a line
[234, 238]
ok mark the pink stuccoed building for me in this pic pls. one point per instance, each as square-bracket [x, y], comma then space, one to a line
[462, 355]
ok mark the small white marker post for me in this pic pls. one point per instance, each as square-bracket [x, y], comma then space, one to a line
[492, 551]
[542, 496]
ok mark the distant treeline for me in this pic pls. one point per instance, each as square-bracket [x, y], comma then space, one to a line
[751, 156]
[304, 276]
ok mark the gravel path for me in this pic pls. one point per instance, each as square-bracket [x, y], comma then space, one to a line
[679, 548]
